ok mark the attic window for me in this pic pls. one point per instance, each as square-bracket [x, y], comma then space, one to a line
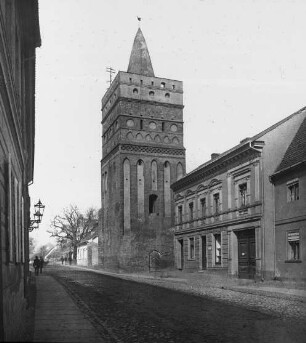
[135, 91]
[162, 85]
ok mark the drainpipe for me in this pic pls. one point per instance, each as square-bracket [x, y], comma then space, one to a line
[263, 221]
[262, 179]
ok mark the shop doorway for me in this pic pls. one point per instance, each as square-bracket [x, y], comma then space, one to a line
[246, 254]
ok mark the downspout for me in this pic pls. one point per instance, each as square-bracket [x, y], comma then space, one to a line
[262, 180]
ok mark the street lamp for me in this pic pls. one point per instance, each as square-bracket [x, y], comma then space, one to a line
[39, 209]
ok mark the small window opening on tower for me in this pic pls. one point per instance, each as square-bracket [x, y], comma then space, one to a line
[162, 85]
[130, 79]
[167, 95]
[152, 83]
[152, 203]
[135, 91]
[173, 86]
[163, 126]
[151, 93]
[141, 82]
[141, 124]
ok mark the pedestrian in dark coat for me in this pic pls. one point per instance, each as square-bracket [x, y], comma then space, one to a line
[41, 264]
[36, 265]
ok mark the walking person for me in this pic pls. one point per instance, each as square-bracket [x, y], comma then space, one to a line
[36, 265]
[41, 264]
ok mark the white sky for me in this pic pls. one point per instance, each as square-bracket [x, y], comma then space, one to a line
[243, 64]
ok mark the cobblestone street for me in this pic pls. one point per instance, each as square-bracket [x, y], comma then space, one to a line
[123, 310]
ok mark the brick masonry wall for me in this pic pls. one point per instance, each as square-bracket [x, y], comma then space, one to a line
[129, 249]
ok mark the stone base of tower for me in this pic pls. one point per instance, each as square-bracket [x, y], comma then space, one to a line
[143, 249]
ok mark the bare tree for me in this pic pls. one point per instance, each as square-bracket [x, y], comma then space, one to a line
[72, 227]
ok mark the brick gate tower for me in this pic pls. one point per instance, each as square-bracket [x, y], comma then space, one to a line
[143, 154]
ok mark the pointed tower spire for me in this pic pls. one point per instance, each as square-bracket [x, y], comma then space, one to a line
[140, 61]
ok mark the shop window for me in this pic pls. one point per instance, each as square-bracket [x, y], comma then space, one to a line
[191, 250]
[217, 238]
[293, 246]
[293, 191]
[243, 194]
[152, 203]
[191, 211]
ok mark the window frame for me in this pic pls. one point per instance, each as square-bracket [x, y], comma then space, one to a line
[216, 256]
[191, 248]
[293, 196]
[290, 247]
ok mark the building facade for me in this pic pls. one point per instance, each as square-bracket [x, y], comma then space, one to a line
[143, 154]
[87, 251]
[290, 210]
[19, 37]
[225, 216]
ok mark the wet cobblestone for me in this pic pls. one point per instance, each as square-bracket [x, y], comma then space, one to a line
[127, 311]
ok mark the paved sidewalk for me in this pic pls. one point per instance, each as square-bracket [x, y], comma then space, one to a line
[57, 317]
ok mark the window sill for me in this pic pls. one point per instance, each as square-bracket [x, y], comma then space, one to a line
[293, 261]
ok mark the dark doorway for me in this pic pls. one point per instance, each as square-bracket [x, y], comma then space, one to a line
[204, 260]
[246, 254]
[180, 254]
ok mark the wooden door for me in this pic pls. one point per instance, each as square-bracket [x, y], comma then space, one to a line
[246, 254]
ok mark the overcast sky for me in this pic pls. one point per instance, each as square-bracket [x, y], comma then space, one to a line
[242, 62]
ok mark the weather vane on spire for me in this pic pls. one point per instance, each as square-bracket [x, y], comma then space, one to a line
[139, 20]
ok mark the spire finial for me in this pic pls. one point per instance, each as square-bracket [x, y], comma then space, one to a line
[139, 20]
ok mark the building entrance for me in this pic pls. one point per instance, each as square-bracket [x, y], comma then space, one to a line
[246, 254]
[204, 261]
[180, 254]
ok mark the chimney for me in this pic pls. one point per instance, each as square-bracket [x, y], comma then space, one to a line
[214, 155]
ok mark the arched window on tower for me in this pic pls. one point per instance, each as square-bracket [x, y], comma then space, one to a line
[126, 195]
[167, 193]
[140, 188]
[179, 171]
[152, 203]
[154, 175]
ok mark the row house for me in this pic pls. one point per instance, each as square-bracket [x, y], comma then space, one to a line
[224, 209]
[289, 182]
[19, 38]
